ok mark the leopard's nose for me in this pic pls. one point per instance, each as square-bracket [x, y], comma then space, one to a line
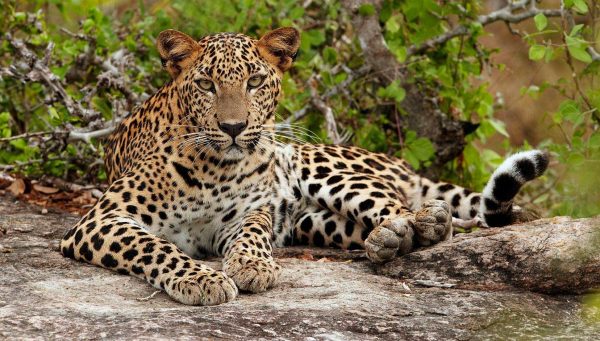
[233, 129]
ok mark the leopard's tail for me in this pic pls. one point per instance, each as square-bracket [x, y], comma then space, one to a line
[495, 204]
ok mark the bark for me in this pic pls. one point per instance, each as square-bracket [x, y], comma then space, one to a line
[422, 114]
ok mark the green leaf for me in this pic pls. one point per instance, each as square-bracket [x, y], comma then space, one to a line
[398, 49]
[366, 10]
[416, 149]
[540, 21]
[409, 157]
[569, 110]
[87, 25]
[4, 118]
[410, 136]
[20, 144]
[53, 113]
[20, 17]
[393, 91]
[392, 24]
[541, 199]
[340, 77]
[422, 149]
[557, 118]
[4, 124]
[575, 30]
[499, 126]
[577, 48]
[549, 54]
[580, 6]
[579, 53]
[536, 52]
[329, 55]
[296, 13]
[314, 37]
[575, 159]
[594, 141]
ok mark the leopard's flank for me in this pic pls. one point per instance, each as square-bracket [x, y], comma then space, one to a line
[196, 170]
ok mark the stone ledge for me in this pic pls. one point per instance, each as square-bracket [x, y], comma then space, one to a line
[340, 297]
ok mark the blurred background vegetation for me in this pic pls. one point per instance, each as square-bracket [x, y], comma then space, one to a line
[69, 70]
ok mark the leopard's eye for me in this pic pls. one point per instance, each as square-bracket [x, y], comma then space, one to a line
[255, 81]
[206, 85]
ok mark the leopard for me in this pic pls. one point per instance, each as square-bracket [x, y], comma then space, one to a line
[197, 170]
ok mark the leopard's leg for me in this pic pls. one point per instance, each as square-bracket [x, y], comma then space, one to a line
[248, 258]
[321, 227]
[374, 204]
[110, 237]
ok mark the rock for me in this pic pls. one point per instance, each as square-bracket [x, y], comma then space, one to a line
[341, 297]
[558, 255]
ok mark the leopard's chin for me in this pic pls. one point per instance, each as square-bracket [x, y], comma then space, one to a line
[234, 153]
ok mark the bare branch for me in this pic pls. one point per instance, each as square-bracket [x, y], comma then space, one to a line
[37, 134]
[319, 103]
[595, 55]
[72, 187]
[297, 115]
[34, 69]
[512, 13]
[73, 135]
[87, 136]
[20, 164]
[115, 76]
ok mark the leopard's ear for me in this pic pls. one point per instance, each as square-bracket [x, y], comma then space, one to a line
[279, 47]
[177, 51]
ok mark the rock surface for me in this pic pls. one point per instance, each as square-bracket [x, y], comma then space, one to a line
[334, 296]
[558, 255]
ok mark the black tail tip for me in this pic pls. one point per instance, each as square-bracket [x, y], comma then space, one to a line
[542, 159]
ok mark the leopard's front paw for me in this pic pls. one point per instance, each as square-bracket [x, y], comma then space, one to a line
[252, 274]
[390, 238]
[433, 222]
[205, 288]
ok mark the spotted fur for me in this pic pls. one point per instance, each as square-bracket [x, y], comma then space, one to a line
[195, 170]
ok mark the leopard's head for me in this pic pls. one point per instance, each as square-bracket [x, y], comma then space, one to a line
[228, 86]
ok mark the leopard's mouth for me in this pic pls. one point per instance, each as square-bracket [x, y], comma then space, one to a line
[239, 148]
[234, 147]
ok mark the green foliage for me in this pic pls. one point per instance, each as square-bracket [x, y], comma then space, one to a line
[576, 189]
[417, 149]
[329, 61]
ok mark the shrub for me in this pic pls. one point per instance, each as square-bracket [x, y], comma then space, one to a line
[70, 71]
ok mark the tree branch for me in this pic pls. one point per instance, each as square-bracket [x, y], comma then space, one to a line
[87, 136]
[319, 103]
[37, 134]
[595, 55]
[527, 9]
[34, 69]
[73, 135]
